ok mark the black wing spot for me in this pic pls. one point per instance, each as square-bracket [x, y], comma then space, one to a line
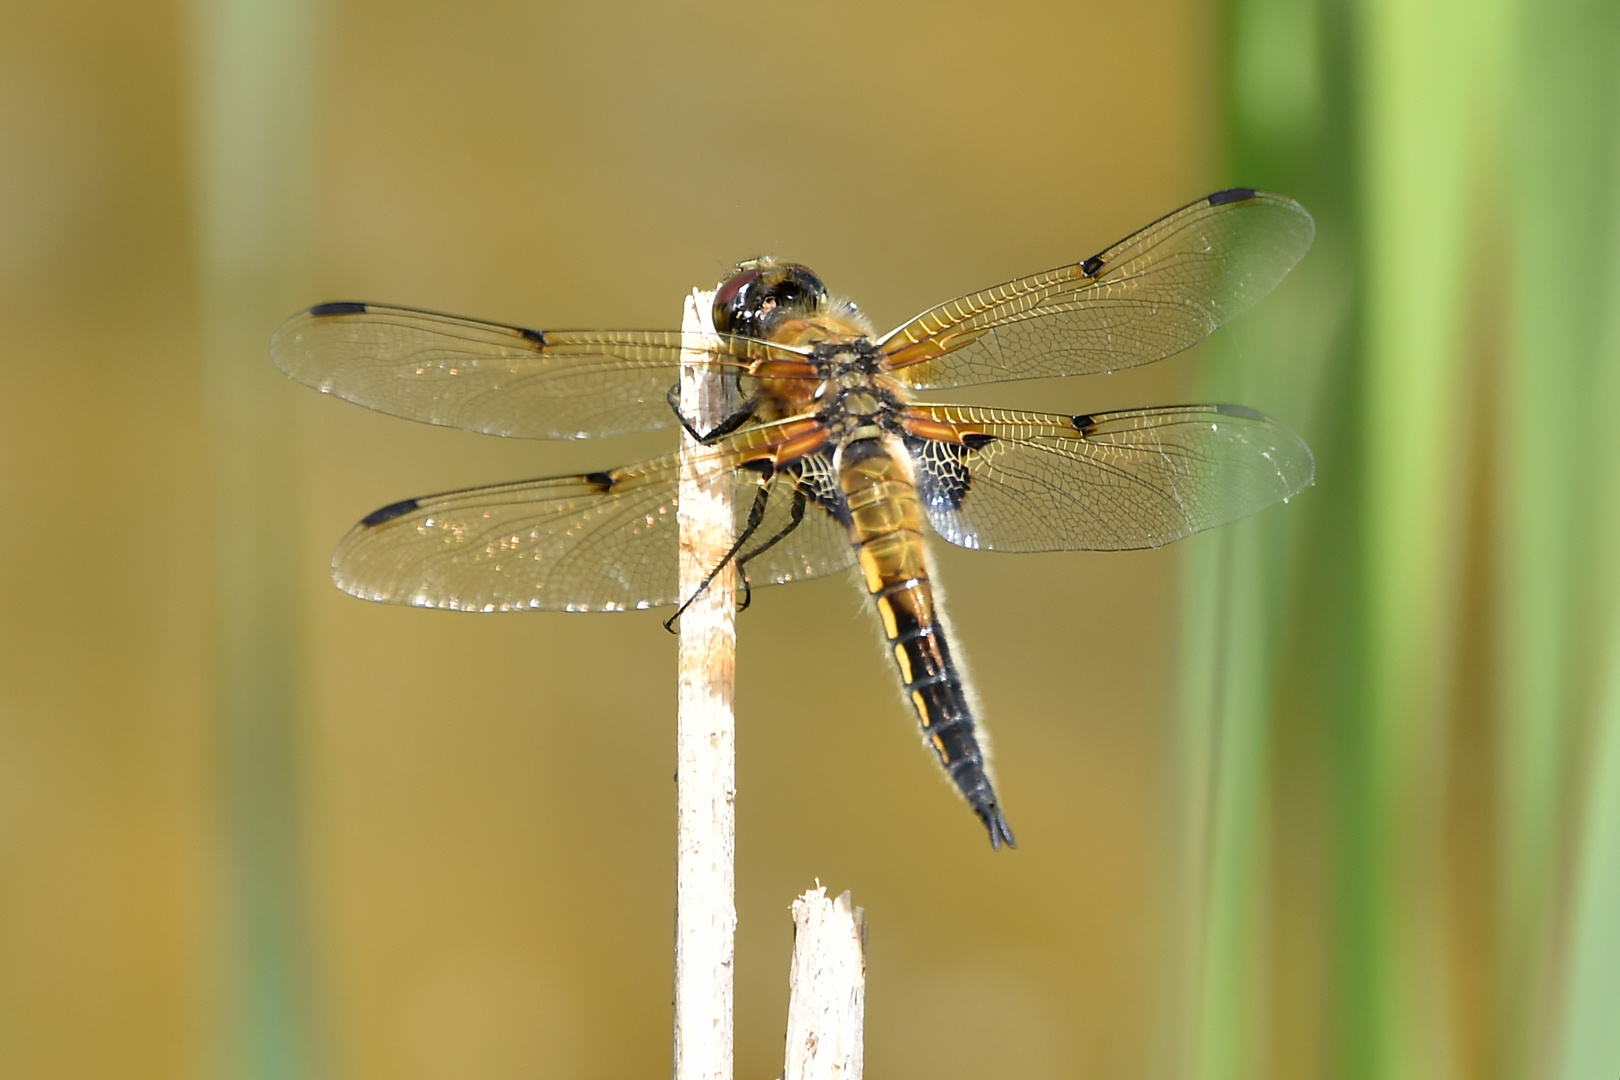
[388, 513]
[339, 307]
[1236, 194]
[1240, 410]
[1085, 424]
[602, 481]
[532, 335]
[976, 440]
[1091, 266]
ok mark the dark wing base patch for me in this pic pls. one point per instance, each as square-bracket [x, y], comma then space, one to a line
[943, 479]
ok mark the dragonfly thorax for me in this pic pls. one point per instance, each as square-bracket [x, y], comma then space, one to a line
[848, 361]
[861, 401]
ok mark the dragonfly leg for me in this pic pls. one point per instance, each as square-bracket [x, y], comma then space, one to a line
[725, 427]
[795, 519]
[756, 515]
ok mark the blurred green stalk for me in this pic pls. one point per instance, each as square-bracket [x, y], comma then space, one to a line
[252, 79]
[1566, 505]
[1279, 593]
[1400, 726]
[1591, 1030]
[1570, 160]
[1429, 86]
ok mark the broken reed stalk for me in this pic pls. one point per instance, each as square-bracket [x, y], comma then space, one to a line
[827, 1003]
[705, 872]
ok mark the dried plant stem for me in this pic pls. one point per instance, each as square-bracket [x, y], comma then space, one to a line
[828, 989]
[705, 875]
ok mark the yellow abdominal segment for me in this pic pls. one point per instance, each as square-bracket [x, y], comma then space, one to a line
[885, 526]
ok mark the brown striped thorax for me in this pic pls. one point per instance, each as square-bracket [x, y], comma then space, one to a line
[835, 463]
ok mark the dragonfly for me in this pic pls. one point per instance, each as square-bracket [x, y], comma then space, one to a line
[835, 461]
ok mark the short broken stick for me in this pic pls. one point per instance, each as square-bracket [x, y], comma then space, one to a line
[827, 988]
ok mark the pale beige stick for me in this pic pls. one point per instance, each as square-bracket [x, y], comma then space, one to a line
[827, 988]
[705, 877]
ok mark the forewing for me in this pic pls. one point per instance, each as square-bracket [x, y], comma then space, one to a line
[1149, 296]
[593, 542]
[488, 377]
[1136, 478]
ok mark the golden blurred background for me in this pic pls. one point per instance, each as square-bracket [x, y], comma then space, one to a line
[1331, 793]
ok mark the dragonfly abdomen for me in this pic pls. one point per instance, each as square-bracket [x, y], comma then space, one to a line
[885, 526]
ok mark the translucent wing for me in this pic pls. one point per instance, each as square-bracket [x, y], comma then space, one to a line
[1147, 297]
[594, 542]
[483, 376]
[1136, 478]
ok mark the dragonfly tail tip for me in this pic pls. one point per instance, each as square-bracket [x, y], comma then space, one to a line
[1000, 832]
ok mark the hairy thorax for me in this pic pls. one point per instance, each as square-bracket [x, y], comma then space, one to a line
[840, 381]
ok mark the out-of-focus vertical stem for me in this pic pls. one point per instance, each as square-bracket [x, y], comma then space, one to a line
[1560, 577]
[1227, 724]
[1416, 159]
[1238, 582]
[1429, 73]
[1193, 784]
[1274, 670]
[251, 87]
[1570, 157]
[1590, 1035]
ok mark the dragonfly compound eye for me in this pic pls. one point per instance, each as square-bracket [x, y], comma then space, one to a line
[749, 303]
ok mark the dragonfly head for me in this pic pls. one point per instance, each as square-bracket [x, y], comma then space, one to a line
[764, 292]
